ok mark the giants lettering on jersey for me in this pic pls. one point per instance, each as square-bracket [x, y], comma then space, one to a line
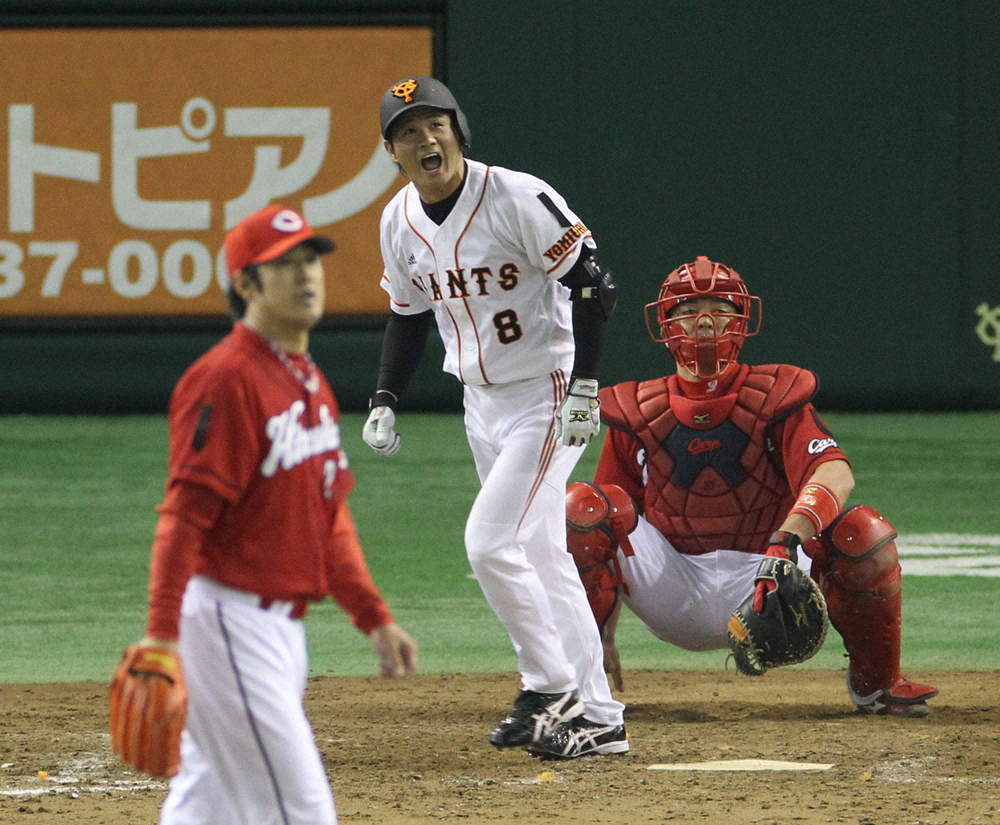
[458, 284]
[291, 443]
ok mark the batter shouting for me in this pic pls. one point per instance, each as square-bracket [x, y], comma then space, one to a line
[254, 527]
[510, 275]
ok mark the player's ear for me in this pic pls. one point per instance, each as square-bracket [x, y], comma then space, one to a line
[240, 283]
[246, 282]
[392, 154]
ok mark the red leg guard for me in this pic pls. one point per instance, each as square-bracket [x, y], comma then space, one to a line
[870, 626]
[601, 585]
[857, 566]
[599, 520]
[604, 507]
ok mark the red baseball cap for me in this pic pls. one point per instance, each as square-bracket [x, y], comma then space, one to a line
[268, 234]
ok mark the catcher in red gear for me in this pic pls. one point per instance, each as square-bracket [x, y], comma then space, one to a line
[724, 464]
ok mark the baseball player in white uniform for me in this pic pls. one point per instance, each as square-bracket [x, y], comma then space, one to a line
[509, 273]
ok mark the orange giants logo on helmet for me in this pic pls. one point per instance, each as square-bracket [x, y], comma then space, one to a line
[424, 91]
[405, 90]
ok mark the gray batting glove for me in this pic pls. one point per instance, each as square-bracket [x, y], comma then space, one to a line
[578, 418]
[378, 432]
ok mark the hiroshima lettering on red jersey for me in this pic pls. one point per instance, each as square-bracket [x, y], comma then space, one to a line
[291, 443]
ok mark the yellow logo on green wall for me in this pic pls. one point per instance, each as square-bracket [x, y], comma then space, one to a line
[988, 328]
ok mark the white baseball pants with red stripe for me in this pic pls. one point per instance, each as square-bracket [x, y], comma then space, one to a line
[515, 539]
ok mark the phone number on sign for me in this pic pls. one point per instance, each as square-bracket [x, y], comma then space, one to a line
[133, 270]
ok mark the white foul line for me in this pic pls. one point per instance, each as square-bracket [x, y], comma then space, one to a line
[949, 554]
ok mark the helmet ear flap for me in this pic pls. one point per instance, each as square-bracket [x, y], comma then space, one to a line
[461, 125]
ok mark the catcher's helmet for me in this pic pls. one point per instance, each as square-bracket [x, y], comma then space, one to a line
[708, 354]
[413, 92]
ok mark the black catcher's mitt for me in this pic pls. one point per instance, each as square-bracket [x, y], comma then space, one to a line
[790, 628]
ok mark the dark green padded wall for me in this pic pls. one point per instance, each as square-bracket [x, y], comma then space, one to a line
[841, 155]
[134, 370]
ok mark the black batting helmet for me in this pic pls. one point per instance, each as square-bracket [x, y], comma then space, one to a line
[412, 92]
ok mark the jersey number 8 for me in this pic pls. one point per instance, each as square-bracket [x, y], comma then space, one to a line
[508, 329]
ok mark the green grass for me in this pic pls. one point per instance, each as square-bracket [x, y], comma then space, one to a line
[77, 512]
[926, 472]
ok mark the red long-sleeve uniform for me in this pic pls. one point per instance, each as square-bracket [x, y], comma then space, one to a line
[256, 488]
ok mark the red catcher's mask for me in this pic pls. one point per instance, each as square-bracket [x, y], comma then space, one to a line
[706, 355]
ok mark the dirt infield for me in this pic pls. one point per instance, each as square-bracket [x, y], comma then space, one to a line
[416, 752]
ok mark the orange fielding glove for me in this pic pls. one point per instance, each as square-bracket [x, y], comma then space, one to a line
[148, 706]
[782, 545]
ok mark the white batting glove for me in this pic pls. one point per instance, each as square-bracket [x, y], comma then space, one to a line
[379, 432]
[578, 418]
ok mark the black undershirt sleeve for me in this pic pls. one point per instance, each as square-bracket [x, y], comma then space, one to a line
[588, 336]
[588, 324]
[402, 348]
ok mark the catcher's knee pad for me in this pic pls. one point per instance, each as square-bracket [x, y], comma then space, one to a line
[598, 521]
[604, 507]
[858, 553]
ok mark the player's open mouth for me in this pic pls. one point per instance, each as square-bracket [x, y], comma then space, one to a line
[431, 163]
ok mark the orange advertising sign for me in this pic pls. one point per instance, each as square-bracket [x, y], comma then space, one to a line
[129, 153]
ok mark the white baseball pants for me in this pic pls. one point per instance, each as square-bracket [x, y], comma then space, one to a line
[247, 753]
[687, 600]
[515, 539]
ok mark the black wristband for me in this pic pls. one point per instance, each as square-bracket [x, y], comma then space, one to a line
[383, 398]
[785, 539]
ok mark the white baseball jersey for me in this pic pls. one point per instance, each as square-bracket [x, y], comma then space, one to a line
[490, 273]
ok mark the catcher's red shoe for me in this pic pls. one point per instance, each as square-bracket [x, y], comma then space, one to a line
[905, 699]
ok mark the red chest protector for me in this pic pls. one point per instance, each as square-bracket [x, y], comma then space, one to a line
[715, 479]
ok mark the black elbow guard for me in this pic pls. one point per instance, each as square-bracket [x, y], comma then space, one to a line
[593, 283]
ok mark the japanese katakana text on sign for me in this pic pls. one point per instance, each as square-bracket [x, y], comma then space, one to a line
[130, 153]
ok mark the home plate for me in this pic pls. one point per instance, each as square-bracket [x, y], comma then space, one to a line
[743, 765]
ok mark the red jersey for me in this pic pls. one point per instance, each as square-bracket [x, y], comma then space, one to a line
[244, 426]
[715, 470]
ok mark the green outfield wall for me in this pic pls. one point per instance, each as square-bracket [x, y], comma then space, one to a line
[843, 156]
